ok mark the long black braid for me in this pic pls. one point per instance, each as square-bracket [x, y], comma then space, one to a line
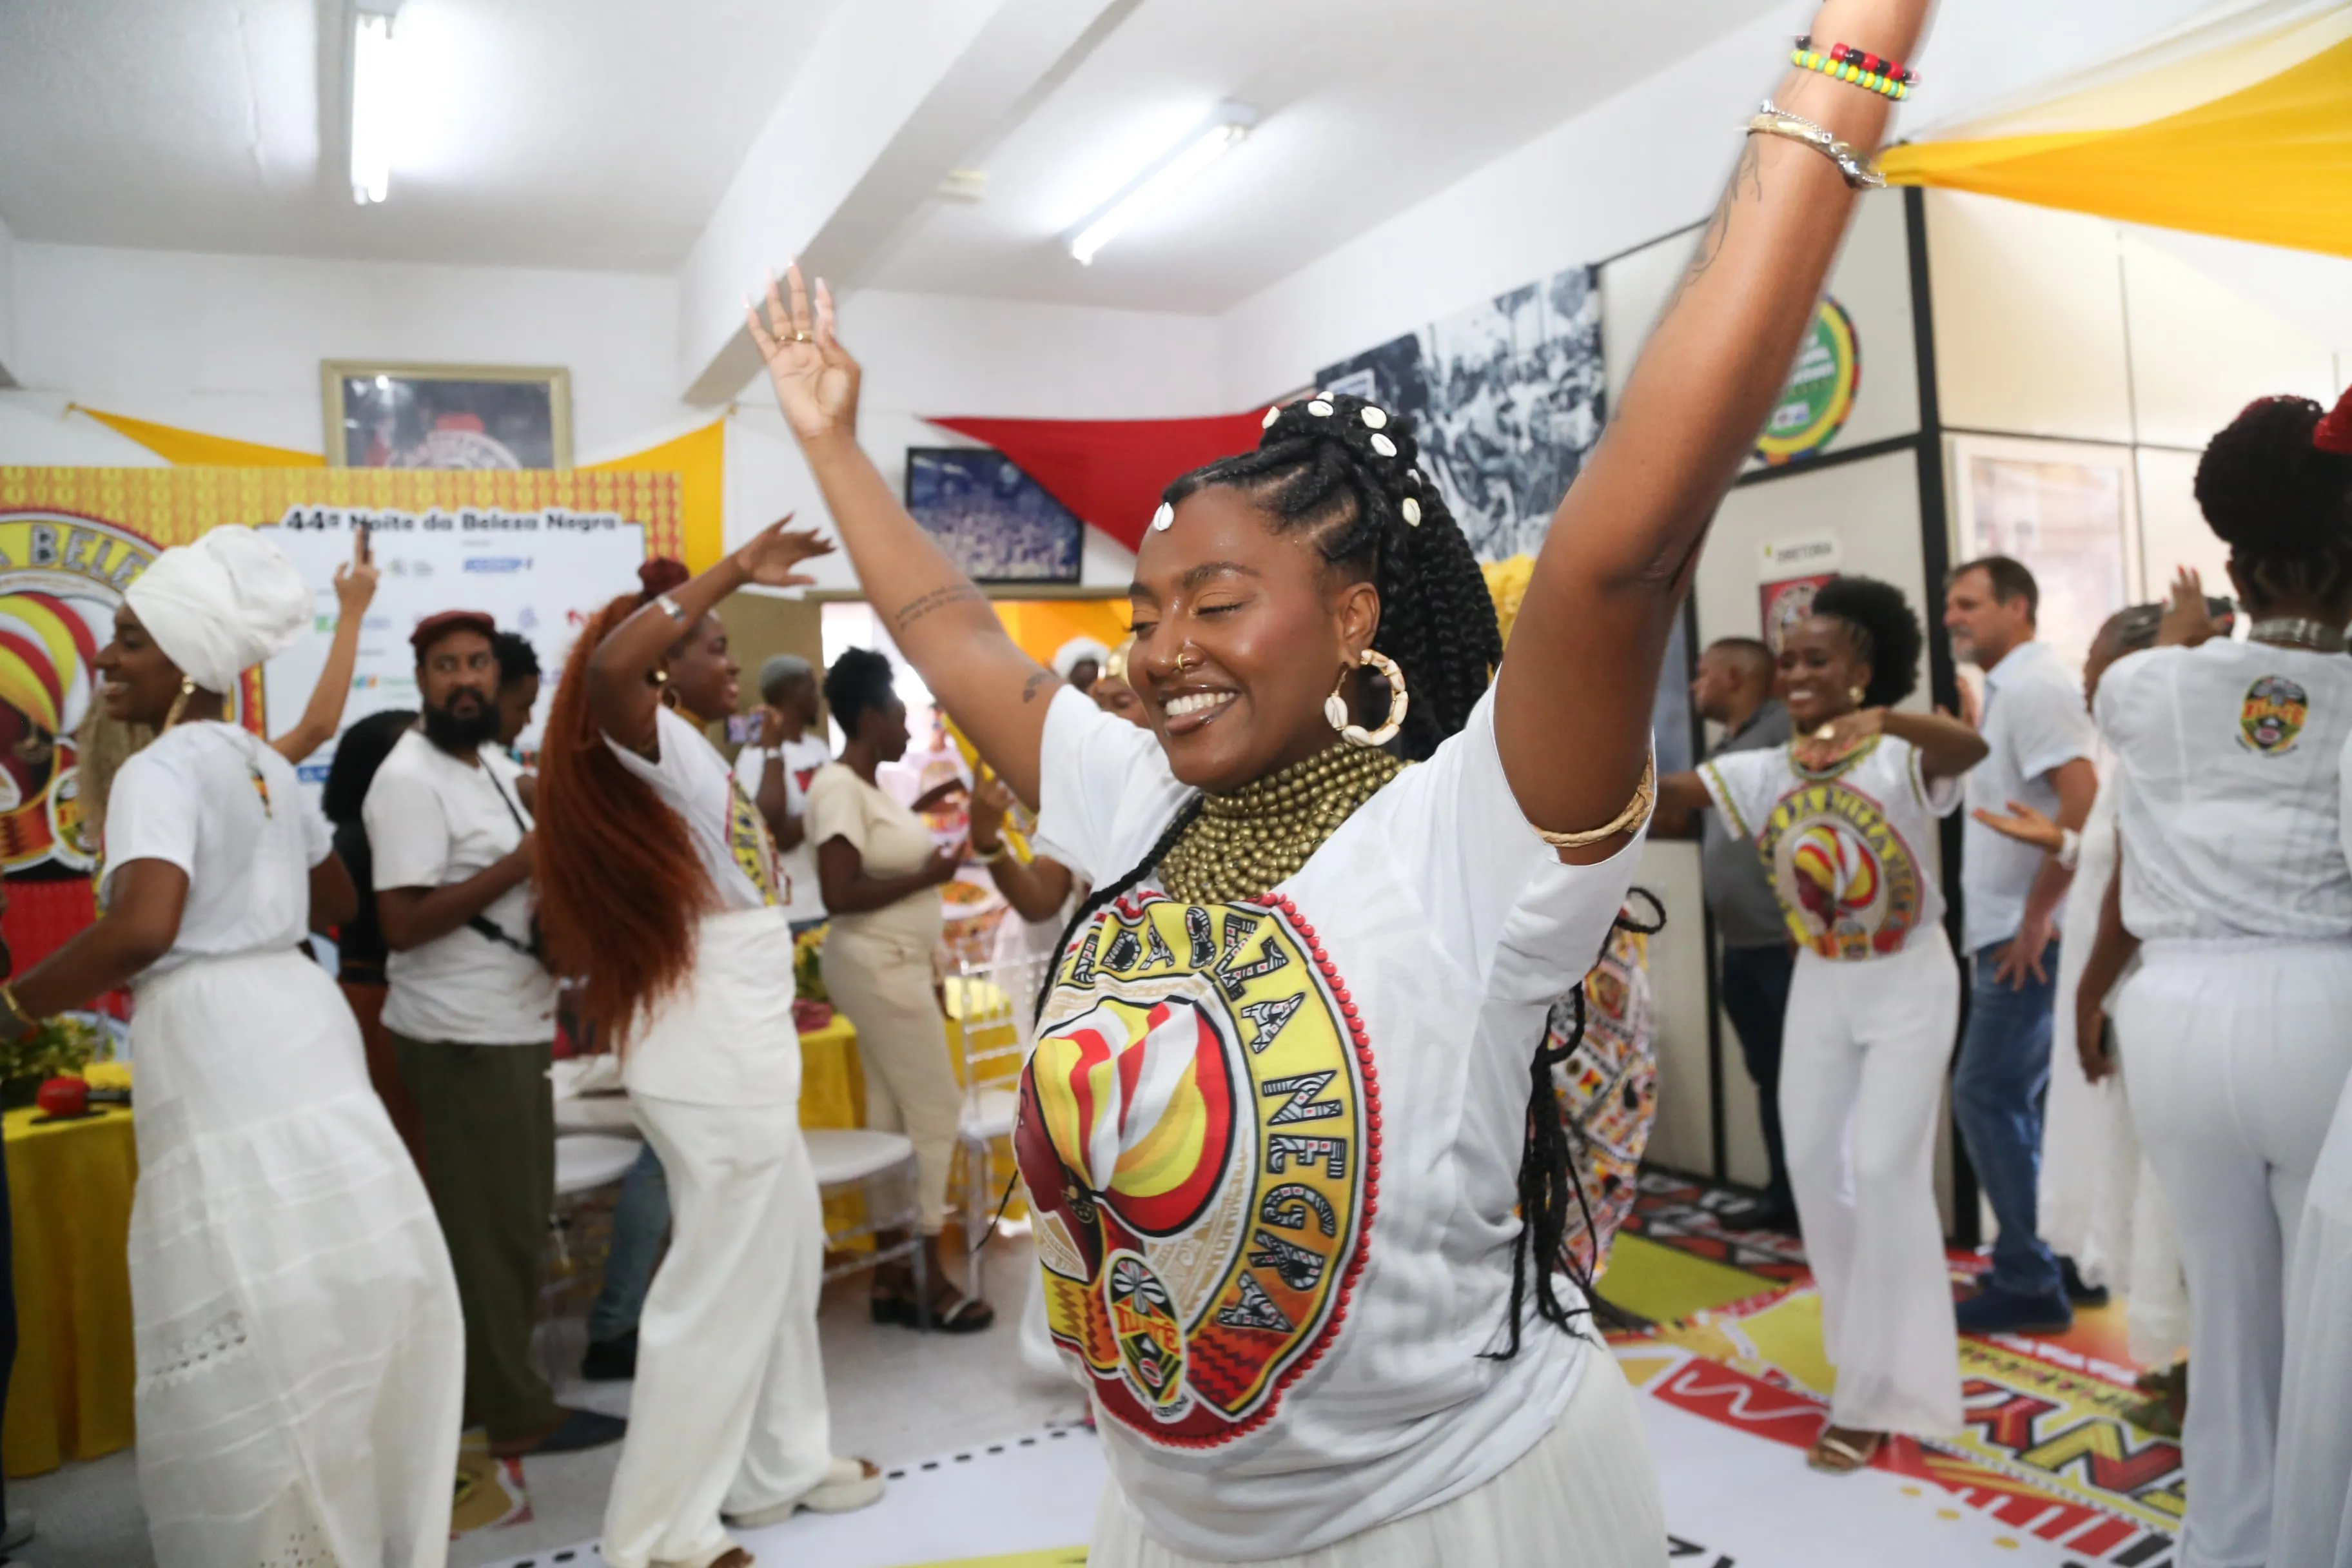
[1329, 473]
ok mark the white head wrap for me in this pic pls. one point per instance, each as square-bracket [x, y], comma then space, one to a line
[221, 605]
[1076, 651]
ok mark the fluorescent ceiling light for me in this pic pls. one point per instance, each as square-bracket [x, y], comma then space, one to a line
[1202, 146]
[376, 100]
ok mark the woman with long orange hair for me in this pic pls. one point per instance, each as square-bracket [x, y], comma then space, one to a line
[659, 883]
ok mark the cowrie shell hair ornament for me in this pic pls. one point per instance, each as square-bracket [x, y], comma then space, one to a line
[1164, 518]
[1320, 409]
[1384, 446]
[1411, 510]
[1375, 418]
[1272, 414]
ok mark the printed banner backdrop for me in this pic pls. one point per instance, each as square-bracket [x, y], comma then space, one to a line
[1507, 398]
[72, 539]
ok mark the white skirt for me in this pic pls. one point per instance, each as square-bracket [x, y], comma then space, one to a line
[299, 1353]
[1584, 1497]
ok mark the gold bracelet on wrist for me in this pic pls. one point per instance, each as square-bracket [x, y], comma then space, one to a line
[990, 857]
[1636, 811]
[1857, 169]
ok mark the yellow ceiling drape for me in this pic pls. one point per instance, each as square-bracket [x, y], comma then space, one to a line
[698, 457]
[194, 449]
[2241, 127]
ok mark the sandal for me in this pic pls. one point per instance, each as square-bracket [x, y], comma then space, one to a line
[1833, 1455]
[848, 1486]
[963, 1315]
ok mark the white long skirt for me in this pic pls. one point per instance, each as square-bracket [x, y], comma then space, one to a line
[2310, 1512]
[1584, 1497]
[300, 1356]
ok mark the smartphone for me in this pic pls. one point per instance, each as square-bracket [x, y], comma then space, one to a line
[742, 729]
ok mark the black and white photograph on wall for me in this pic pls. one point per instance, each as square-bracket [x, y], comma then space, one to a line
[446, 416]
[995, 523]
[1507, 396]
[2063, 510]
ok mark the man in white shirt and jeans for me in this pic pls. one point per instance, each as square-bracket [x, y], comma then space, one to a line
[471, 1011]
[2042, 744]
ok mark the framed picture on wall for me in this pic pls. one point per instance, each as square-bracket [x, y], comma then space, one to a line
[2068, 511]
[995, 521]
[446, 415]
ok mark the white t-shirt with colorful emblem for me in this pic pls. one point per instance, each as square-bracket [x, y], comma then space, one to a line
[1847, 847]
[730, 837]
[2227, 774]
[1274, 1147]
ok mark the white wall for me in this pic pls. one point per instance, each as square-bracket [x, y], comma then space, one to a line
[231, 344]
[7, 301]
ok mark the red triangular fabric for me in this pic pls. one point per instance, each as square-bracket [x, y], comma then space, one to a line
[1111, 471]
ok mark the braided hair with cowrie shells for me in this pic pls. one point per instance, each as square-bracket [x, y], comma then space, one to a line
[1343, 470]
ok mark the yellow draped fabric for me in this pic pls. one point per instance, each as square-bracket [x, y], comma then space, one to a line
[699, 458]
[194, 449]
[2241, 127]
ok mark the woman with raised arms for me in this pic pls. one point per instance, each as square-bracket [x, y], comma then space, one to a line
[1278, 1127]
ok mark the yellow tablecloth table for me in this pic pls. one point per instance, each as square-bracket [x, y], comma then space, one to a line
[70, 1185]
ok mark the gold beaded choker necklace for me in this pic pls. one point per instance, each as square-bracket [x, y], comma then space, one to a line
[1243, 844]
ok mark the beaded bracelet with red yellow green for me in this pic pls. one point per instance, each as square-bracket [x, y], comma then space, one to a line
[1843, 62]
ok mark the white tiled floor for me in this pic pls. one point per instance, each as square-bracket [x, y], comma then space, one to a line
[896, 1396]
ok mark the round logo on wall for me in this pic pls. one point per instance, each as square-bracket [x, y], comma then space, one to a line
[1819, 397]
[60, 578]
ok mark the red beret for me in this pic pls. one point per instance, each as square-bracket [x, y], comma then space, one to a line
[433, 628]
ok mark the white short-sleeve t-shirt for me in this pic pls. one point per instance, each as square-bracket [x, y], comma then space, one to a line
[432, 820]
[730, 836]
[2228, 761]
[217, 802]
[804, 898]
[2034, 724]
[1845, 847]
[1274, 1147]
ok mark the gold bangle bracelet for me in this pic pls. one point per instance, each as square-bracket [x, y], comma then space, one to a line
[1636, 811]
[1857, 171]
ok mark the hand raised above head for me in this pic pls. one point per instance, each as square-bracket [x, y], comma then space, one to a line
[815, 379]
[2186, 622]
[355, 579]
[769, 556]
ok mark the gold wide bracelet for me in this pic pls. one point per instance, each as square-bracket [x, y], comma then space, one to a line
[1636, 811]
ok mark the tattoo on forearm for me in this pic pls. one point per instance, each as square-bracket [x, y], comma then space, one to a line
[1036, 683]
[1747, 182]
[922, 604]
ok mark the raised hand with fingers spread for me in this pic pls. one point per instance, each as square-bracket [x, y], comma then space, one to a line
[816, 382]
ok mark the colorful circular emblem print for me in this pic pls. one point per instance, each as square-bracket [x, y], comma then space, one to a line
[2273, 716]
[1819, 397]
[1847, 881]
[1199, 1135]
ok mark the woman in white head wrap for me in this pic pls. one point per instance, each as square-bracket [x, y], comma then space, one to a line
[299, 1348]
[1080, 661]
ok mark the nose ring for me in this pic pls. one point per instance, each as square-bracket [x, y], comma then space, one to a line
[1184, 664]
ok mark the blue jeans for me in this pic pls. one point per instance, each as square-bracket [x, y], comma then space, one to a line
[1756, 994]
[640, 1221]
[1998, 1090]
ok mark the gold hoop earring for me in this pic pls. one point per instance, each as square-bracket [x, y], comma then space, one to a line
[1334, 707]
[179, 703]
[669, 699]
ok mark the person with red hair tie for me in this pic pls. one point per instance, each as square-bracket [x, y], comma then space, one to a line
[2231, 886]
[659, 883]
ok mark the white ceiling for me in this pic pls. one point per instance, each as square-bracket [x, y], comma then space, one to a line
[1366, 106]
[601, 134]
[581, 133]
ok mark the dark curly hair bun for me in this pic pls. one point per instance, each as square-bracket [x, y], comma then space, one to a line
[1886, 633]
[2280, 501]
[1343, 470]
[658, 576]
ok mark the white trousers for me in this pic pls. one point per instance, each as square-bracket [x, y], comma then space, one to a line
[2310, 1509]
[1584, 1497]
[728, 1411]
[1864, 1051]
[2236, 1056]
